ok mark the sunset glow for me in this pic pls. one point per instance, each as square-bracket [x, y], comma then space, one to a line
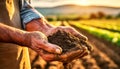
[53, 3]
[83, 2]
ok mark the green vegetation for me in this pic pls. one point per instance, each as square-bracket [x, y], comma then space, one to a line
[101, 33]
[71, 17]
[100, 28]
[112, 25]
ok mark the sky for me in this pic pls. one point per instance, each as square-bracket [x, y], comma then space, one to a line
[53, 3]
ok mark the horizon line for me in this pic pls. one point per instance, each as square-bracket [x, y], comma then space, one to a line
[78, 5]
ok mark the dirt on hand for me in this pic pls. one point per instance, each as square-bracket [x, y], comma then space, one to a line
[104, 56]
[67, 41]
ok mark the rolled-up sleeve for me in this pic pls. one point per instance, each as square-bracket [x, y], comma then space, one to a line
[28, 13]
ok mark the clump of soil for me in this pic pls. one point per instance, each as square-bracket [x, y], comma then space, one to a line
[67, 41]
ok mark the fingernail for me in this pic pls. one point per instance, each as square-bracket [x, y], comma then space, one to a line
[58, 51]
[88, 52]
[85, 38]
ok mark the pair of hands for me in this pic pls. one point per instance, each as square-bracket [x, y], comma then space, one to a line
[51, 52]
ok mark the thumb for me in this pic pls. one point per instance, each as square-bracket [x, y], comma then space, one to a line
[52, 48]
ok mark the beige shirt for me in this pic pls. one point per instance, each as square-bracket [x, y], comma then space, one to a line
[12, 56]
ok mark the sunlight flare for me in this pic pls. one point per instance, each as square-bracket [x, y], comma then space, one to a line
[83, 2]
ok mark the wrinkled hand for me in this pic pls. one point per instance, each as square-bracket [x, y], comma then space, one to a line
[49, 53]
[69, 56]
[38, 42]
[66, 29]
[65, 57]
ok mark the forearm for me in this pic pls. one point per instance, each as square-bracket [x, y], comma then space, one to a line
[33, 20]
[12, 35]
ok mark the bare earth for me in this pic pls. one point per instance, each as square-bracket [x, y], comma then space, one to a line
[104, 56]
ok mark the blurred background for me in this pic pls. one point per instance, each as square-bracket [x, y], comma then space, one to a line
[99, 20]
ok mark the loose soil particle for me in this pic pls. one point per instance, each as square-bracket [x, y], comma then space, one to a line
[67, 41]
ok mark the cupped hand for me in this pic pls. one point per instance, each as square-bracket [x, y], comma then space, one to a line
[51, 52]
[66, 29]
[43, 26]
[38, 41]
[68, 56]
[47, 50]
[64, 57]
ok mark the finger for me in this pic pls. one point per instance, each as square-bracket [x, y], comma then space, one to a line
[52, 48]
[76, 33]
[43, 44]
[53, 30]
[70, 30]
[88, 45]
[86, 52]
[71, 55]
[46, 56]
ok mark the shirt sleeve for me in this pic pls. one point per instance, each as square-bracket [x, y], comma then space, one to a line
[28, 13]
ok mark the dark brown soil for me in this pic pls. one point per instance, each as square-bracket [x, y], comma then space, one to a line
[67, 41]
[105, 56]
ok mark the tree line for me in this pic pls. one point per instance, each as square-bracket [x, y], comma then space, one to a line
[98, 15]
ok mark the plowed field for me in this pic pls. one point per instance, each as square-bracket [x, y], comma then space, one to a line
[105, 56]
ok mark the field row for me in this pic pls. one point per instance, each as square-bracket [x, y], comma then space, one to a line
[112, 25]
[113, 37]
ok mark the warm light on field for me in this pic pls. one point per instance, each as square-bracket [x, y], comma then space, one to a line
[83, 2]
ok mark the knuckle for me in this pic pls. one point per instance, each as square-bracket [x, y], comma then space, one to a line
[64, 58]
[47, 58]
[69, 28]
[84, 48]
[59, 28]
[52, 50]
[88, 52]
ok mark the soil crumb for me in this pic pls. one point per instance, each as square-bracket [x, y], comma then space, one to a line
[67, 41]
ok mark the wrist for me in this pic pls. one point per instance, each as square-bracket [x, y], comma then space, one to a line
[27, 39]
[38, 25]
[13, 35]
[22, 38]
